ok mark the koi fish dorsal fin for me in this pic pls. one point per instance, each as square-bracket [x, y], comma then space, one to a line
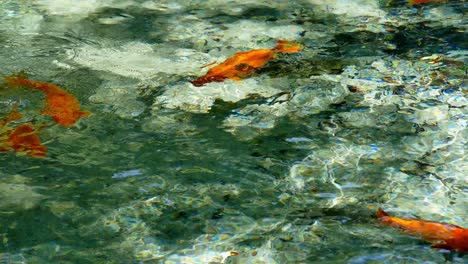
[286, 46]
[381, 213]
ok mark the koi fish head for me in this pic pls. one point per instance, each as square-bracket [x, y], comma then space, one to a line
[446, 236]
[381, 213]
[384, 217]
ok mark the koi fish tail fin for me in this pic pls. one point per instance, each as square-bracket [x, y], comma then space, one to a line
[285, 46]
[381, 213]
[85, 113]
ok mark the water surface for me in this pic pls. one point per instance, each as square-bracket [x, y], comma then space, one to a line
[234, 172]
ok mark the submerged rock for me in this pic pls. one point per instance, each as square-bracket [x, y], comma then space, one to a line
[17, 196]
[200, 99]
[137, 60]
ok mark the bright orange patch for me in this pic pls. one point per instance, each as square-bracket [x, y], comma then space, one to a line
[62, 106]
[444, 236]
[243, 64]
[418, 2]
[22, 138]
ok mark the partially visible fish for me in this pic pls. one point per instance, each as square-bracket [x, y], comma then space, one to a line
[443, 236]
[242, 64]
[418, 2]
[62, 106]
[24, 139]
[12, 116]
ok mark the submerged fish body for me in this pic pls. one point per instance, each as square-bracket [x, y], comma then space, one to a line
[418, 2]
[242, 64]
[24, 139]
[62, 106]
[444, 236]
[20, 139]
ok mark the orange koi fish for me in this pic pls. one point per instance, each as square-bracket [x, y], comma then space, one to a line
[62, 106]
[445, 236]
[242, 64]
[418, 2]
[24, 139]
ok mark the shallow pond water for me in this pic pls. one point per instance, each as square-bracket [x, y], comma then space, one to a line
[287, 166]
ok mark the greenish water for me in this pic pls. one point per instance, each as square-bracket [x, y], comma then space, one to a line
[165, 172]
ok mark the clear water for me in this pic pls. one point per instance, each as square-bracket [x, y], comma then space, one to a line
[234, 172]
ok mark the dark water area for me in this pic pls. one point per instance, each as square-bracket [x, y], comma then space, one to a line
[288, 165]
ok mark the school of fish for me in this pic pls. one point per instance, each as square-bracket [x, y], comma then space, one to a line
[64, 109]
[62, 106]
